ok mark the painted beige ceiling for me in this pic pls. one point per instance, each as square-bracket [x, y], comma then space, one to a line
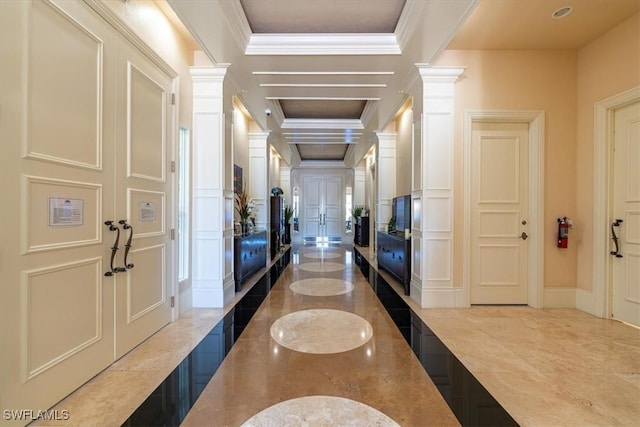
[331, 84]
[527, 24]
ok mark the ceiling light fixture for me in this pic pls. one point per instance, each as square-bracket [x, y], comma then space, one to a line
[562, 12]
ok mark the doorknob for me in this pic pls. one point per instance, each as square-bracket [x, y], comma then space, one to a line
[524, 236]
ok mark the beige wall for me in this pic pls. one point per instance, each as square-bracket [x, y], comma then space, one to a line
[607, 66]
[161, 35]
[525, 80]
[241, 142]
[403, 152]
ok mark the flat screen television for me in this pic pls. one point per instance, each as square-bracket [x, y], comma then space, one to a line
[402, 212]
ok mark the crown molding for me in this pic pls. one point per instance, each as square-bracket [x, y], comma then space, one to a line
[322, 124]
[237, 21]
[323, 44]
[369, 111]
[410, 19]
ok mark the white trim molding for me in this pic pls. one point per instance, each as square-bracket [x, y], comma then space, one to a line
[536, 121]
[323, 44]
[598, 302]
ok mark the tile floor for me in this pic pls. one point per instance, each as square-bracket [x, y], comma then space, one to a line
[545, 367]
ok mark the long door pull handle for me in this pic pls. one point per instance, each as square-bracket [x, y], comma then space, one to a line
[614, 237]
[127, 247]
[112, 227]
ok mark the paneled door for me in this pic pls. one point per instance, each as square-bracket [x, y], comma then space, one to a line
[142, 198]
[86, 133]
[626, 195]
[499, 194]
[322, 204]
[57, 82]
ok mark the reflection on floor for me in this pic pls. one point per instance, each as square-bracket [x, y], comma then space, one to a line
[545, 367]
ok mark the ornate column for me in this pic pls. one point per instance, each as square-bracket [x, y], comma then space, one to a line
[385, 177]
[212, 238]
[432, 240]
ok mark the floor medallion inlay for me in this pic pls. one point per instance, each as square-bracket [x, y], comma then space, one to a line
[320, 411]
[322, 267]
[321, 287]
[323, 255]
[321, 331]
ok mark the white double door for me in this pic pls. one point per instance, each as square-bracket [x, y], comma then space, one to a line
[626, 207]
[86, 138]
[322, 207]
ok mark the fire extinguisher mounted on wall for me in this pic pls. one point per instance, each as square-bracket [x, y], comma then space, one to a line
[564, 224]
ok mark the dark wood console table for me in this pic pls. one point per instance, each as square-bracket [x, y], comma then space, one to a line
[394, 256]
[249, 255]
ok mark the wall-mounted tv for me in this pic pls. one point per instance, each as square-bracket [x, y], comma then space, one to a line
[402, 212]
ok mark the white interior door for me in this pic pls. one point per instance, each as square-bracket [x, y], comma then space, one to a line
[499, 194]
[57, 65]
[333, 202]
[626, 189]
[142, 199]
[322, 205]
[312, 207]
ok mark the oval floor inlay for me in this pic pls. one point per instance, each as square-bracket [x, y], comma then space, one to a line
[321, 267]
[320, 411]
[323, 255]
[321, 287]
[321, 331]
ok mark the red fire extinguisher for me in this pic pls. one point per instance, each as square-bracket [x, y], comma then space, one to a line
[563, 232]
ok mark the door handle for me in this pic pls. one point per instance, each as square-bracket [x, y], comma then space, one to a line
[113, 270]
[524, 236]
[614, 237]
[127, 247]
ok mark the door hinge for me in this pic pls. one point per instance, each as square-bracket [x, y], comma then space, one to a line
[173, 99]
[173, 301]
[173, 166]
[172, 234]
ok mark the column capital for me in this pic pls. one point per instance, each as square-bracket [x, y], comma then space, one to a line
[216, 72]
[439, 74]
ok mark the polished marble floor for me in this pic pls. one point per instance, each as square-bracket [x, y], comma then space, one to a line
[545, 367]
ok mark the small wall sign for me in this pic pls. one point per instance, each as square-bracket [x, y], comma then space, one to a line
[65, 212]
[146, 211]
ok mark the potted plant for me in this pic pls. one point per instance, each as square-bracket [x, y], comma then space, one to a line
[288, 214]
[356, 212]
[246, 209]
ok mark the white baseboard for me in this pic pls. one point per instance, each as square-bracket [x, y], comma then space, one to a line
[438, 297]
[586, 301]
[229, 291]
[185, 301]
[559, 297]
[207, 298]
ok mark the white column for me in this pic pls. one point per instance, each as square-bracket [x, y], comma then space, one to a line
[285, 183]
[259, 176]
[432, 278]
[358, 186]
[385, 177]
[212, 238]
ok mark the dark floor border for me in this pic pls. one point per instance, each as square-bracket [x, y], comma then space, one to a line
[169, 404]
[470, 402]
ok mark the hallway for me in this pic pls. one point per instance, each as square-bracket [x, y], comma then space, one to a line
[545, 367]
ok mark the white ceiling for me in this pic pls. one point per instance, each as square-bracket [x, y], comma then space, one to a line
[332, 72]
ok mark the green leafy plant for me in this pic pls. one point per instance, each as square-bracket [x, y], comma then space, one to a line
[245, 207]
[288, 213]
[356, 212]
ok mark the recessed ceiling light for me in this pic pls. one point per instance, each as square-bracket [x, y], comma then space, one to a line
[562, 12]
